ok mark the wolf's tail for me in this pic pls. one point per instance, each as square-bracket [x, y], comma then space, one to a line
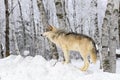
[93, 53]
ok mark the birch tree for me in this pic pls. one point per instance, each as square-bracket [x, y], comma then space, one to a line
[114, 38]
[7, 45]
[60, 12]
[23, 25]
[33, 29]
[119, 22]
[109, 36]
[45, 23]
[14, 45]
[94, 22]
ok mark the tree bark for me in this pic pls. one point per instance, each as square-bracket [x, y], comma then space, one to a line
[7, 45]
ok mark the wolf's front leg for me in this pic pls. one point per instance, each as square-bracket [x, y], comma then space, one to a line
[66, 56]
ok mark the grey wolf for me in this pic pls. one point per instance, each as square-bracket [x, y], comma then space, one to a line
[73, 41]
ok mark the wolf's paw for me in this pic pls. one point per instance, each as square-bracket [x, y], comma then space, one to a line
[83, 69]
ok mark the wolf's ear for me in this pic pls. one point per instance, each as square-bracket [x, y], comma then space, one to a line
[50, 28]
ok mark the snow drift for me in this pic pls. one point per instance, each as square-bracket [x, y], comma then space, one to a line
[37, 68]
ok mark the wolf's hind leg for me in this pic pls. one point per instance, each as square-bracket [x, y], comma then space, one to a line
[86, 62]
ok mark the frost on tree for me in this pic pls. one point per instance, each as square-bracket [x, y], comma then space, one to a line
[110, 36]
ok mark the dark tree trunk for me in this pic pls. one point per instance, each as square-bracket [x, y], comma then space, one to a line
[7, 28]
[1, 51]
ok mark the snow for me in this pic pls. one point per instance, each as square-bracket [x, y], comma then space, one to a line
[26, 52]
[37, 68]
[117, 51]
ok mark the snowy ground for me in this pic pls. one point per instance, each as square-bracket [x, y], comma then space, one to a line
[37, 68]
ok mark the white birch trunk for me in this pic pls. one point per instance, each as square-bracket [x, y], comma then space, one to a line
[114, 38]
[110, 36]
[119, 22]
[105, 38]
[16, 44]
[23, 24]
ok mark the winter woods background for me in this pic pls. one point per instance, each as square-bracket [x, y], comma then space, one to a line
[22, 22]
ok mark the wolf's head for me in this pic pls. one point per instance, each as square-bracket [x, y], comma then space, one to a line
[50, 32]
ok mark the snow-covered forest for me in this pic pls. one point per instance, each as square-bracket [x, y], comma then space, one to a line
[23, 21]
